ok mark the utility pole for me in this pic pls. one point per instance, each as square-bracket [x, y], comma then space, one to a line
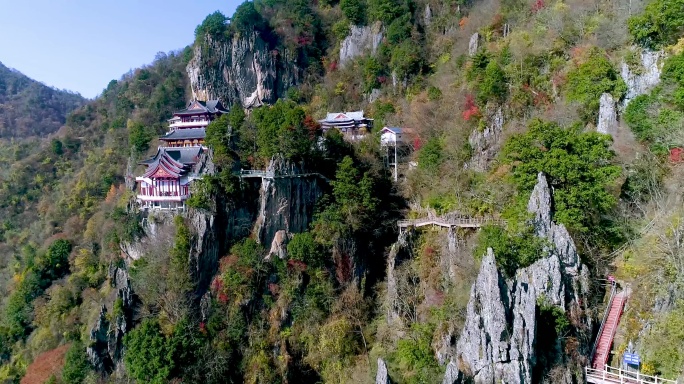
[396, 163]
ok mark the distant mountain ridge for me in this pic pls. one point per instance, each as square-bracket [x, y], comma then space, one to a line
[31, 108]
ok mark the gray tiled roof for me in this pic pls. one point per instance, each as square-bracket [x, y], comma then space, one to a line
[185, 155]
[185, 134]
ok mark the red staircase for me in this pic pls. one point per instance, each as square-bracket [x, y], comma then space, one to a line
[611, 319]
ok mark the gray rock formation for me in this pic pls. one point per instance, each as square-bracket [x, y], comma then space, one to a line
[382, 377]
[427, 15]
[279, 245]
[642, 80]
[360, 40]
[452, 374]
[106, 337]
[607, 119]
[473, 44]
[395, 257]
[245, 69]
[287, 200]
[485, 144]
[499, 338]
[99, 340]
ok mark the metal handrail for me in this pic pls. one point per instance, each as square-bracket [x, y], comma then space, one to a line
[617, 318]
[613, 290]
[440, 221]
[608, 374]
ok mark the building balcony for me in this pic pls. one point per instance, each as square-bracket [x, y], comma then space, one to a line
[188, 124]
[163, 198]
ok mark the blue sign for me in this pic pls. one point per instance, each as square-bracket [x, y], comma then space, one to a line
[632, 358]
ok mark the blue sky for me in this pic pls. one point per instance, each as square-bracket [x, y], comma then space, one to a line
[81, 45]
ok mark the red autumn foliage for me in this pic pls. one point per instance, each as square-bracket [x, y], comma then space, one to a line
[223, 298]
[312, 126]
[217, 284]
[538, 6]
[429, 251]
[333, 66]
[382, 79]
[343, 268]
[45, 365]
[417, 143]
[471, 110]
[296, 265]
[274, 289]
[203, 327]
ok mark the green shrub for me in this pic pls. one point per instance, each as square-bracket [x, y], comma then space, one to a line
[354, 10]
[341, 29]
[139, 136]
[218, 139]
[511, 250]
[303, 247]
[578, 168]
[661, 23]
[434, 93]
[399, 29]
[431, 155]
[76, 365]
[493, 84]
[387, 10]
[148, 358]
[214, 25]
[590, 79]
[638, 118]
[247, 19]
[415, 355]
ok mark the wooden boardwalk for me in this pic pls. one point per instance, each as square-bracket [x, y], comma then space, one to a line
[461, 222]
[256, 173]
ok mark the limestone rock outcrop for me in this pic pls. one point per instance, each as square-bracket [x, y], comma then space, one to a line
[473, 44]
[106, 337]
[607, 119]
[245, 69]
[287, 200]
[499, 339]
[645, 78]
[279, 245]
[382, 377]
[360, 40]
[485, 144]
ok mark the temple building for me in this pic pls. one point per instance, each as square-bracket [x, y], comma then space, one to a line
[179, 160]
[353, 125]
[198, 114]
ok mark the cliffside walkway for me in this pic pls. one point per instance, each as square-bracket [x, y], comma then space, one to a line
[462, 222]
[611, 375]
[599, 372]
[257, 173]
[611, 319]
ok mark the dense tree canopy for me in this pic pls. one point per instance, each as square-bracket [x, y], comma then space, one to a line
[578, 166]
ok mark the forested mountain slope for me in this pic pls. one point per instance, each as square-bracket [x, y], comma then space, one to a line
[558, 123]
[30, 108]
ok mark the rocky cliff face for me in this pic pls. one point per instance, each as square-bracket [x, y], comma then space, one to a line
[246, 69]
[359, 41]
[641, 80]
[485, 144]
[106, 337]
[286, 201]
[607, 120]
[499, 341]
